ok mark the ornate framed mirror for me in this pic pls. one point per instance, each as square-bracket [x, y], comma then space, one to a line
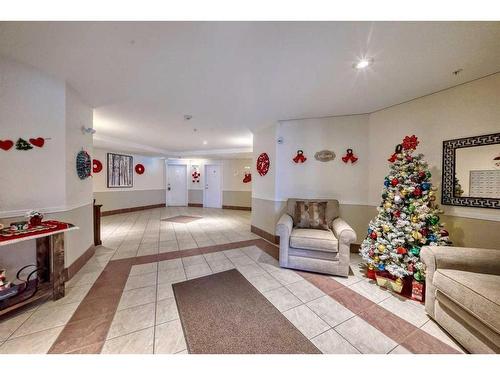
[471, 171]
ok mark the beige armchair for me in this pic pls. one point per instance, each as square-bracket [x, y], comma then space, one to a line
[323, 251]
[462, 294]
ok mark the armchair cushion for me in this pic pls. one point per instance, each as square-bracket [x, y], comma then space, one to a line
[477, 293]
[332, 208]
[311, 215]
[314, 239]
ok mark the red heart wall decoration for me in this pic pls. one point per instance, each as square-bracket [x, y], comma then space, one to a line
[6, 145]
[38, 142]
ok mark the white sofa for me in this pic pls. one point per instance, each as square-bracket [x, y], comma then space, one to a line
[315, 250]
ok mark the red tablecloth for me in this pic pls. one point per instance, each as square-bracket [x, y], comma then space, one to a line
[49, 227]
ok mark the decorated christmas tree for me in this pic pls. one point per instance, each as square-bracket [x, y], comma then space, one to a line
[407, 218]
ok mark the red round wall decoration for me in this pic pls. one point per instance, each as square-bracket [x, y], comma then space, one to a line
[263, 164]
[139, 169]
[96, 166]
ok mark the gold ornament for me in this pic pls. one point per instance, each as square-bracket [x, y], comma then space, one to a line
[376, 259]
[387, 205]
[416, 235]
[381, 248]
[414, 219]
[386, 228]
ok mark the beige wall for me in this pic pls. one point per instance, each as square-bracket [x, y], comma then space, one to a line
[114, 200]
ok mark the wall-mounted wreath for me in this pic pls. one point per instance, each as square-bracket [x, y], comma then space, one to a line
[83, 164]
[263, 164]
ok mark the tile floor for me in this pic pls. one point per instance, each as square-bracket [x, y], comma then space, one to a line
[146, 319]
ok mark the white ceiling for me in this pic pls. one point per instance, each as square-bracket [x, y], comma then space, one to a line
[232, 77]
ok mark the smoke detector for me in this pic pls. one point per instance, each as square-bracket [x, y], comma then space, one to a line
[188, 117]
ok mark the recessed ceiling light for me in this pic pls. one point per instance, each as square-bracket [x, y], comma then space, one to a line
[205, 142]
[362, 63]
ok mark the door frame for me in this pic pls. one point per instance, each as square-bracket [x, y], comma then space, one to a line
[205, 182]
[166, 183]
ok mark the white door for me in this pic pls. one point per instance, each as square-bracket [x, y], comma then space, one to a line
[176, 185]
[212, 196]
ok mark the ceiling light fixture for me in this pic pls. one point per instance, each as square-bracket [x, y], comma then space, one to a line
[362, 63]
[205, 142]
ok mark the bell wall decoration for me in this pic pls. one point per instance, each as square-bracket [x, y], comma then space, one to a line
[299, 158]
[324, 155]
[349, 156]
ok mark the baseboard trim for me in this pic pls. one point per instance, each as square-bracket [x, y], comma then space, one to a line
[131, 209]
[266, 235]
[195, 204]
[242, 208]
[79, 263]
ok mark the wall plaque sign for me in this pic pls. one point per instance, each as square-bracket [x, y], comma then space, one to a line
[324, 155]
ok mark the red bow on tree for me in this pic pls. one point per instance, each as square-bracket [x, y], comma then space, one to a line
[410, 143]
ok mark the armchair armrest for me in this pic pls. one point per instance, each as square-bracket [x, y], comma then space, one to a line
[461, 258]
[343, 231]
[283, 230]
[284, 226]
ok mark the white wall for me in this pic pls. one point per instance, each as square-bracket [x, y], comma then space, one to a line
[233, 173]
[152, 179]
[264, 140]
[32, 104]
[315, 179]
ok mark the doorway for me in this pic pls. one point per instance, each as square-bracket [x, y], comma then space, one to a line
[212, 194]
[177, 185]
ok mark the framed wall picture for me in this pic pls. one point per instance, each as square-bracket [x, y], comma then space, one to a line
[120, 171]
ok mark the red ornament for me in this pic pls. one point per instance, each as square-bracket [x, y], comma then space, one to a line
[417, 192]
[196, 176]
[263, 164]
[373, 235]
[349, 156]
[397, 213]
[299, 158]
[370, 273]
[401, 250]
[394, 181]
[96, 166]
[410, 143]
[139, 169]
[247, 178]
[424, 232]
[38, 142]
[6, 145]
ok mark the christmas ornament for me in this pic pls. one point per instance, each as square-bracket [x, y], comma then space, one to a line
[386, 228]
[139, 169]
[83, 165]
[401, 250]
[263, 164]
[398, 199]
[373, 235]
[415, 250]
[21, 144]
[96, 166]
[411, 207]
[397, 213]
[434, 220]
[426, 186]
[196, 176]
[299, 158]
[349, 156]
[394, 181]
[6, 145]
[387, 205]
[38, 142]
[247, 178]
[417, 192]
[381, 248]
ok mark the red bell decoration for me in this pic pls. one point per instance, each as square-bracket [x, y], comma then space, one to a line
[299, 158]
[196, 176]
[96, 166]
[139, 169]
[349, 156]
[247, 178]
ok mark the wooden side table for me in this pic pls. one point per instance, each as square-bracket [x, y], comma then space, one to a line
[49, 262]
[97, 224]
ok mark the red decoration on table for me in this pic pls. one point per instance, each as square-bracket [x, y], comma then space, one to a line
[410, 143]
[299, 158]
[247, 178]
[196, 176]
[38, 142]
[96, 166]
[349, 156]
[45, 227]
[139, 169]
[6, 145]
[263, 164]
